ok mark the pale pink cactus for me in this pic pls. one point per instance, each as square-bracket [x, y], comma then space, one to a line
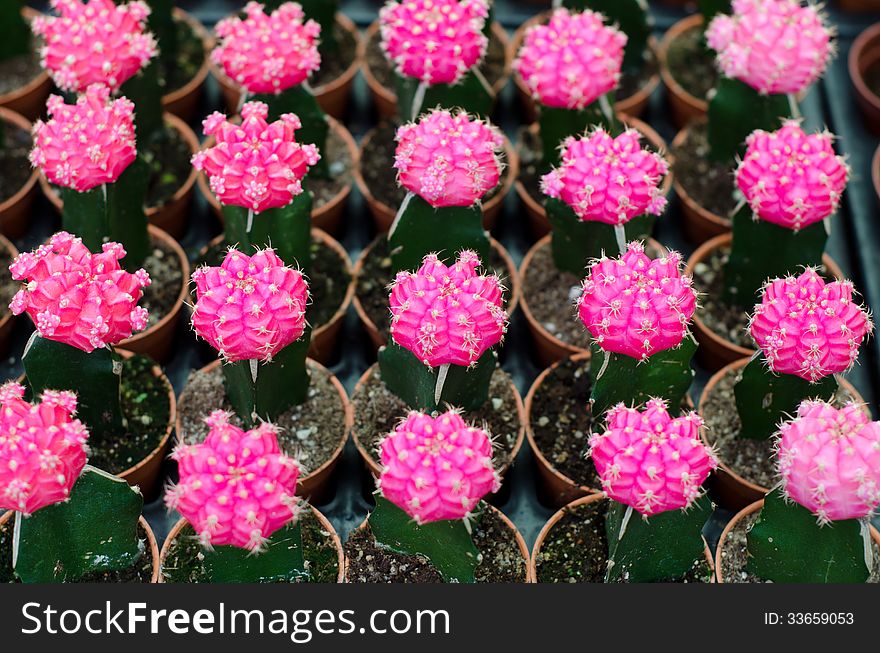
[809, 328]
[82, 299]
[829, 460]
[649, 460]
[636, 306]
[94, 42]
[447, 315]
[437, 468]
[790, 178]
[774, 46]
[256, 164]
[87, 144]
[42, 448]
[448, 160]
[268, 53]
[571, 61]
[251, 307]
[608, 179]
[434, 41]
[236, 488]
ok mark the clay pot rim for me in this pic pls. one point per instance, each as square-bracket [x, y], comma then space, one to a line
[202, 73]
[682, 26]
[859, 46]
[325, 524]
[6, 244]
[17, 120]
[41, 78]
[693, 205]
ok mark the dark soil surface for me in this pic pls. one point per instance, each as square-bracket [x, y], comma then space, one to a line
[340, 167]
[168, 156]
[729, 322]
[708, 183]
[332, 67]
[691, 64]
[190, 57]
[15, 169]
[19, 71]
[162, 294]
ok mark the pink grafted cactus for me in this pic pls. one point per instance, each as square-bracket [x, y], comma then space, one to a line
[236, 488]
[608, 179]
[42, 448]
[87, 144]
[268, 53]
[256, 165]
[636, 306]
[809, 328]
[791, 178]
[94, 42]
[571, 61]
[829, 460]
[434, 41]
[82, 299]
[448, 160]
[447, 314]
[251, 307]
[774, 46]
[650, 460]
[437, 468]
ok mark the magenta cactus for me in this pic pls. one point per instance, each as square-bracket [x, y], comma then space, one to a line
[649, 460]
[829, 460]
[94, 42]
[790, 178]
[81, 299]
[437, 468]
[571, 61]
[251, 307]
[42, 448]
[236, 488]
[87, 144]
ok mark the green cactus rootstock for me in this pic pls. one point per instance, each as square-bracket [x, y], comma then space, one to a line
[557, 124]
[280, 561]
[16, 41]
[472, 93]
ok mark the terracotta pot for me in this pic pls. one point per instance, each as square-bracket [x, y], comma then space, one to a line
[513, 281]
[729, 489]
[15, 212]
[715, 351]
[683, 106]
[559, 514]
[385, 99]
[327, 217]
[538, 222]
[7, 321]
[184, 101]
[333, 97]
[520, 542]
[151, 542]
[634, 105]
[322, 520]
[315, 484]
[858, 5]
[383, 215]
[29, 100]
[863, 56]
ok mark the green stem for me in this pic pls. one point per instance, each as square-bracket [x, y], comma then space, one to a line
[16, 41]
[281, 560]
[145, 91]
[709, 8]
[472, 94]
[161, 23]
[558, 124]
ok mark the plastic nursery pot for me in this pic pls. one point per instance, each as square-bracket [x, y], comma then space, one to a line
[325, 524]
[385, 98]
[715, 351]
[184, 101]
[514, 290]
[562, 512]
[538, 222]
[151, 543]
[7, 319]
[15, 212]
[864, 60]
[633, 105]
[333, 96]
[327, 217]
[29, 100]
[683, 106]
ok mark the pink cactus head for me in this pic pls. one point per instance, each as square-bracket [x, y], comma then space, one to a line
[776, 46]
[829, 460]
[448, 160]
[434, 41]
[447, 314]
[42, 448]
[636, 306]
[791, 178]
[94, 42]
[650, 461]
[437, 468]
[809, 328]
[256, 165]
[236, 487]
[607, 179]
[86, 144]
[571, 61]
[251, 307]
[268, 53]
[82, 299]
